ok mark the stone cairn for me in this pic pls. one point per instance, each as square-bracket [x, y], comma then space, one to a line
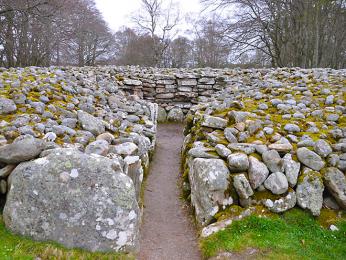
[75, 144]
[73, 152]
[270, 141]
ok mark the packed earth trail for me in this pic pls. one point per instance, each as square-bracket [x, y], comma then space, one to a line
[167, 232]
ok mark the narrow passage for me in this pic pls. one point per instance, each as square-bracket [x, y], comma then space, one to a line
[167, 232]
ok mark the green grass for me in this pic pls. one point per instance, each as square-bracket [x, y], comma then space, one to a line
[294, 235]
[13, 247]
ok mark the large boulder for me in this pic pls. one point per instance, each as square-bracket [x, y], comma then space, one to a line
[310, 191]
[209, 181]
[335, 182]
[176, 115]
[161, 115]
[78, 200]
[22, 149]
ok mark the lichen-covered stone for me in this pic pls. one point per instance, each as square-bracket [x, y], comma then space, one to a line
[310, 159]
[276, 183]
[7, 106]
[310, 192]
[21, 150]
[209, 179]
[291, 169]
[90, 123]
[258, 172]
[335, 181]
[242, 186]
[85, 195]
[238, 162]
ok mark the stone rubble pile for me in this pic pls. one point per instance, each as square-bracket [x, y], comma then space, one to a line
[74, 149]
[174, 90]
[273, 138]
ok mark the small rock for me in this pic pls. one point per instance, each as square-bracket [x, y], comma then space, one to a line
[242, 186]
[125, 149]
[100, 147]
[292, 128]
[258, 172]
[90, 123]
[291, 169]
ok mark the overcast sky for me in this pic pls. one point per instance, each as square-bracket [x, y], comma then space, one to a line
[118, 12]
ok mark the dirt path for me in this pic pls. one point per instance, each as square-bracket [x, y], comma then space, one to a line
[167, 232]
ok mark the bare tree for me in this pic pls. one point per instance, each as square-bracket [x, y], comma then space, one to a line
[160, 24]
[305, 33]
[210, 45]
[45, 32]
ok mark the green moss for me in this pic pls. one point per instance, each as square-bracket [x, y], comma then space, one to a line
[266, 194]
[296, 235]
[230, 212]
[329, 217]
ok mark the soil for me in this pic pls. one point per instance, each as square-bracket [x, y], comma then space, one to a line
[167, 231]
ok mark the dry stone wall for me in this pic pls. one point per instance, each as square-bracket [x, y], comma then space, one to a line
[75, 144]
[74, 150]
[171, 89]
[270, 141]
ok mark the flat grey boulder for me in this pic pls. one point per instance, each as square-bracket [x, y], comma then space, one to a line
[309, 192]
[258, 172]
[74, 199]
[125, 149]
[22, 149]
[209, 181]
[202, 152]
[335, 182]
[90, 123]
[276, 183]
[310, 159]
[7, 106]
[214, 122]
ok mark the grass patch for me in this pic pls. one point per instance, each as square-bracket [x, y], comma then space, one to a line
[294, 235]
[17, 247]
